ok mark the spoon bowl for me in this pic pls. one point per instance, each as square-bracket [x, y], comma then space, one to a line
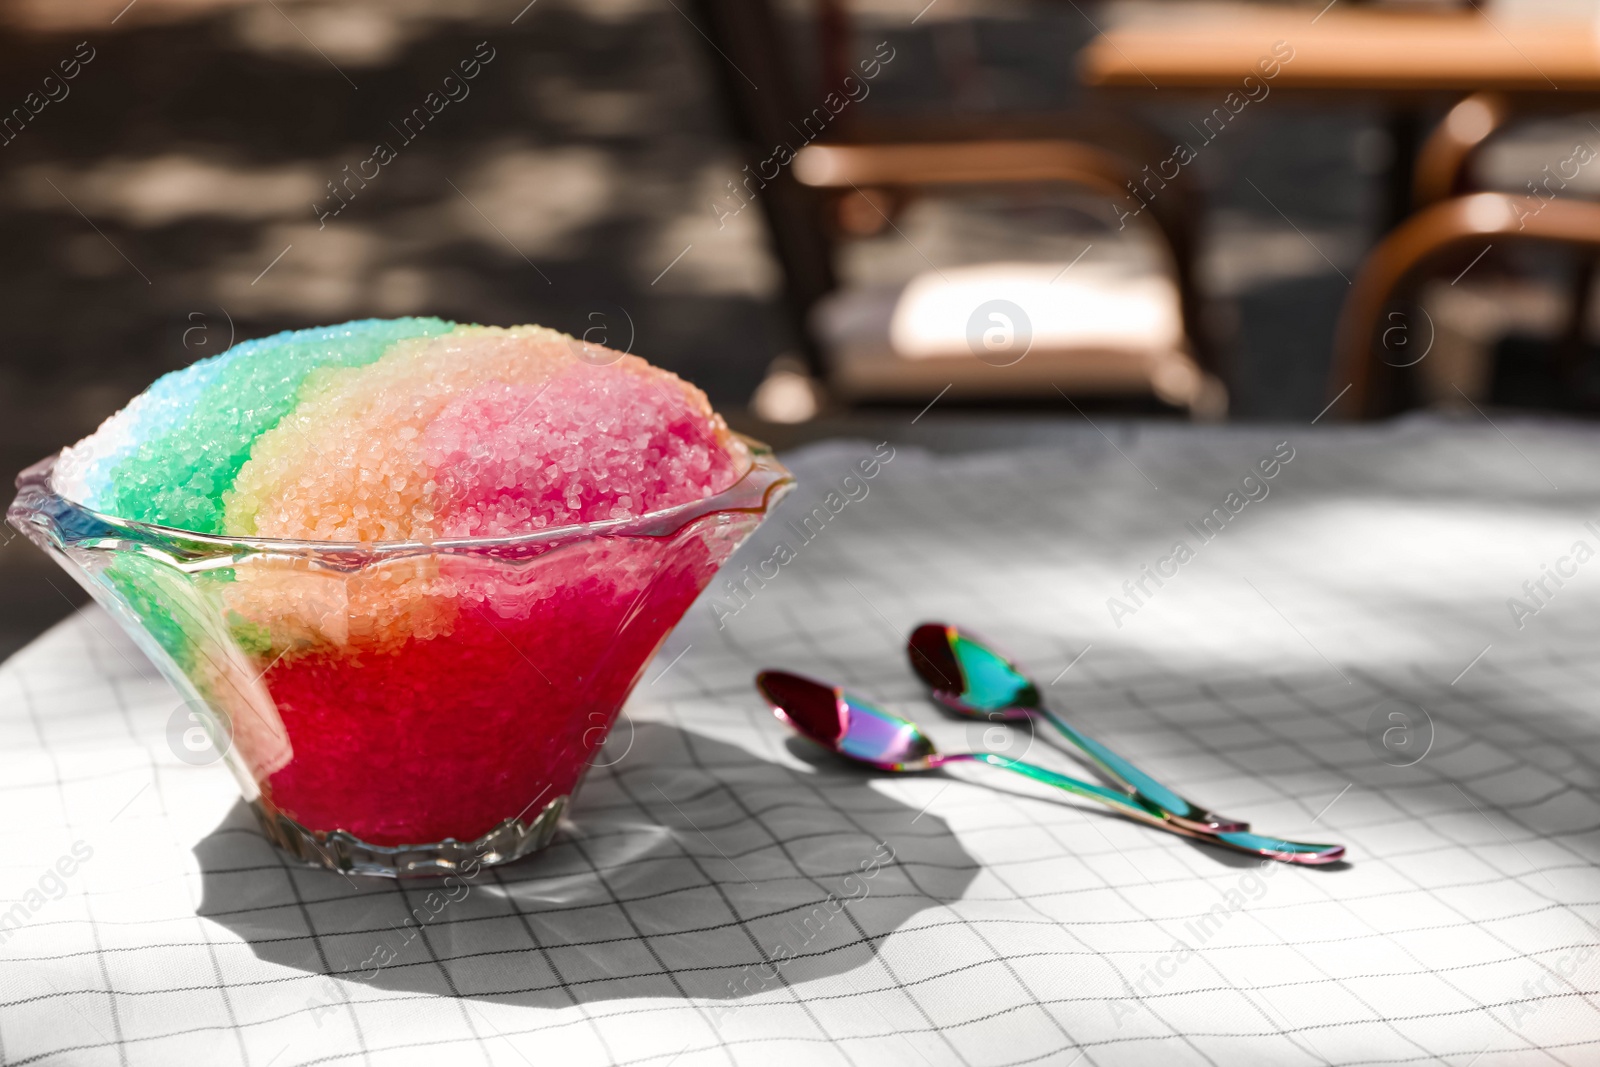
[970, 677]
[846, 724]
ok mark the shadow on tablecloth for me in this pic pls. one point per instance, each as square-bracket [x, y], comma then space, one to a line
[694, 868]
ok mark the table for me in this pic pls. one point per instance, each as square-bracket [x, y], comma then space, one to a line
[1347, 51]
[1001, 925]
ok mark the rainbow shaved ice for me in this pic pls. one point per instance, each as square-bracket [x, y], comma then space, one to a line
[402, 430]
[431, 690]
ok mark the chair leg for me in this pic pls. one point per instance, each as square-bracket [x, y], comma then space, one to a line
[1569, 349]
[1405, 140]
[747, 30]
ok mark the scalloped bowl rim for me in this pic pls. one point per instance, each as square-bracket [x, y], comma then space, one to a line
[752, 492]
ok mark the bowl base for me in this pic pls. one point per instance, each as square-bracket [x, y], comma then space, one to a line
[341, 851]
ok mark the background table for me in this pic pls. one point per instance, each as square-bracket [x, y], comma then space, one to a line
[1347, 49]
[1547, 60]
[1003, 925]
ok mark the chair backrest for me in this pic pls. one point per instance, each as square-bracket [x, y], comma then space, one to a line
[843, 166]
[745, 34]
[1442, 161]
[1360, 376]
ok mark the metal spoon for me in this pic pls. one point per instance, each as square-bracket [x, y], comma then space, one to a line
[850, 726]
[972, 679]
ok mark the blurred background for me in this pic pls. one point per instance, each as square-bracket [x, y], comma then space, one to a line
[830, 215]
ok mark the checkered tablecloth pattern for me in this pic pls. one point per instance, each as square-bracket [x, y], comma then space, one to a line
[726, 895]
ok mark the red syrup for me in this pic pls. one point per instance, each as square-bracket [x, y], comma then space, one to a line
[447, 737]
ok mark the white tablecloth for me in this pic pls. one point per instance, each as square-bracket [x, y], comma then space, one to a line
[711, 903]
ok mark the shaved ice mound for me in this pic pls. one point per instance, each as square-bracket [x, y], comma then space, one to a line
[398, 430]
[433, 561]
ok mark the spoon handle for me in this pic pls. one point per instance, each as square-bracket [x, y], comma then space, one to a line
[1122, 802]
[1185, 812]
[1145, 811]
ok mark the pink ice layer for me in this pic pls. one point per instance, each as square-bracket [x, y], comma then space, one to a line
[583, 447]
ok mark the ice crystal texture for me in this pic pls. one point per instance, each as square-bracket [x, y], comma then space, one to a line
[402, 430]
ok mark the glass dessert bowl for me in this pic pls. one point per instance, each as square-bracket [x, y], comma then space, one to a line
[403, 708]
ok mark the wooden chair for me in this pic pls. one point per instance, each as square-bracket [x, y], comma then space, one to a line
[1443, 171]
[1457, 227]
[859, 177]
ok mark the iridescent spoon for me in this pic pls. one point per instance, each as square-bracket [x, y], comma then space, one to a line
[846, 724]
[972, 679]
